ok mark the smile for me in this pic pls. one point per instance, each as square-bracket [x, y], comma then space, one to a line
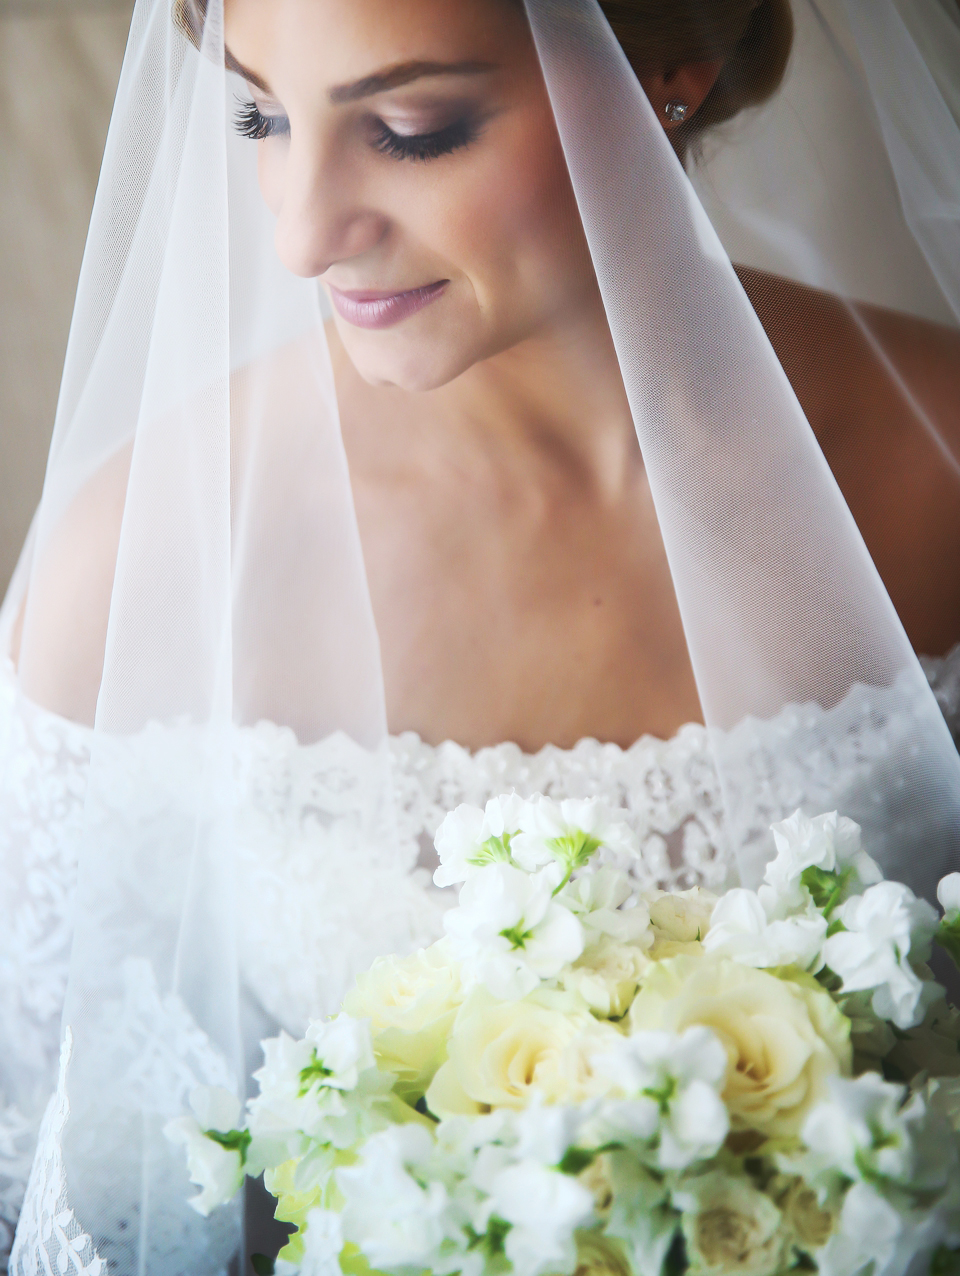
[383, 309]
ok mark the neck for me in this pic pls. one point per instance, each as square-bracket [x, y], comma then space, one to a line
[560, 392]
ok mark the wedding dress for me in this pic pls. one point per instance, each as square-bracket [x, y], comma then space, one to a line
[231, 842]
[331, 915]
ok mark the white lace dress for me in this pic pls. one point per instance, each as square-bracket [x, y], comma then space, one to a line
[327, 915]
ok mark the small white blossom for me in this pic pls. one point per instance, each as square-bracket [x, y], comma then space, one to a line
[394, 1219]
[884, 928]
[670, 1085]
[830, 843]
[948, 893]
[597, 899]
[509, 932]
[469, 837]
[216, 1168]
[866, 1237]
[739, 928]
[544, 1208]
[323, 1243]
[568, 832]
[342, 1049]
[866, 1132]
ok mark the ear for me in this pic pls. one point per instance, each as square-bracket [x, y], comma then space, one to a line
[684, 87]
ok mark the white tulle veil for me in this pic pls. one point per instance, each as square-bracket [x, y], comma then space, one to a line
[198, 371]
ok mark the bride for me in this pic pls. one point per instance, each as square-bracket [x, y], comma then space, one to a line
[538, 479]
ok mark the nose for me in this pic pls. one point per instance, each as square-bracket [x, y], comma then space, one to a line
[321, 218]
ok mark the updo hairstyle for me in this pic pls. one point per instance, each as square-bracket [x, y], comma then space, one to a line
[752, 36]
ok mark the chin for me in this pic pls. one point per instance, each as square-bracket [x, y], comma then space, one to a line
[416, 365]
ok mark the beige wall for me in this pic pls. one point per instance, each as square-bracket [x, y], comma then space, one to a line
[59, 63]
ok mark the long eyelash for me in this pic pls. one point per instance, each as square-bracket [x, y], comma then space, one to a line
[425, 146]
[251, 122]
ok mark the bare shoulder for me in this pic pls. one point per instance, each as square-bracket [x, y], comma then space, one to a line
[62, 633]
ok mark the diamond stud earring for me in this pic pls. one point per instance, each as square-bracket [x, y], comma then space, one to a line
[676, 112]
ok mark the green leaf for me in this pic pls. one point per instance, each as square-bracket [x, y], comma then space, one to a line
[948, 937]
[232, 1140]
[825, 888]
[262, 1265]
[945, 1262]
[575, 1160]
[315, 1071]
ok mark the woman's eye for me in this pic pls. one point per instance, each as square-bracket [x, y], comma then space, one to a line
[425, 146]
[251, 122]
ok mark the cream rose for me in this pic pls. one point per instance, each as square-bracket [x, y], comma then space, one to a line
[810, 1222]
[681, 915]
[784, 1037]
[730, 1228]
[502, 1053]
[599, 1255]
[607, 976]
[411, 1003]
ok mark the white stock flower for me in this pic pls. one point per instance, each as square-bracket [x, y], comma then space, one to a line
[828, 843]
[544, 1208]
[469, 837]
[509, 932]
[740, 928]
[866, 1237]
[568, 832]
[322, 1244]
[864, 1131]
[948, 895]
[342, 1049]
[670, 1083]
[884, 927]
[215, 1167]
[393, 1219]
[597, 898]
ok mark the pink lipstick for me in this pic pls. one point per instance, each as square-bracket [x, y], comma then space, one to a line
[383, 309]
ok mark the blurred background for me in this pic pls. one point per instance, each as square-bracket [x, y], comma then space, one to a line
[59, 64]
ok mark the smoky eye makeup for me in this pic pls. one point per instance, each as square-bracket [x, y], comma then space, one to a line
[422, 145]
[251, 122]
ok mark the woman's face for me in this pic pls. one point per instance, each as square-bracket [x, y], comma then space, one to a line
[409, 152]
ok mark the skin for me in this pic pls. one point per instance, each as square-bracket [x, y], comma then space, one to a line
[517, 573]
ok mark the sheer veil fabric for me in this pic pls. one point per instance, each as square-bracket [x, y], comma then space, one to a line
[198, 386]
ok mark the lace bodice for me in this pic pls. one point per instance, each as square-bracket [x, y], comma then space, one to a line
[328, 907]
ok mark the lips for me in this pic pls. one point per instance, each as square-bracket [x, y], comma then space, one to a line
[383, 309]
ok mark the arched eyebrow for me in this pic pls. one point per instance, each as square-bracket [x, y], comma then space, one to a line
[393, 77]
[404, 73]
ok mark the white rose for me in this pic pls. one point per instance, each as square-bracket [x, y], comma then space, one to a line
[730, 1228]
[509, 932]
[411, 1003]
[739, 928]
[883, 928]
[607, 975]
[569, 832]
[469, 838]
[683, 916]
[215, 1166]
[783, 1037]
[503, 1054]
[544, 1208]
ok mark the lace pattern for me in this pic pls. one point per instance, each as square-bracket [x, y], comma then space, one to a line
[308, 871]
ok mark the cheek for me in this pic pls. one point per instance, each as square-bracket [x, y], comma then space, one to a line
[271, 164]
[516, 225]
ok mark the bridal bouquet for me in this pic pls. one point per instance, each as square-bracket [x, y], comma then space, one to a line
[580, 1079]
